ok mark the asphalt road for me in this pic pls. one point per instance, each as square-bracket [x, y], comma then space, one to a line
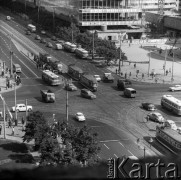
[119, 121]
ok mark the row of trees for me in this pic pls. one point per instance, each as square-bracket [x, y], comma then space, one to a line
[102, 47]
[61, 144]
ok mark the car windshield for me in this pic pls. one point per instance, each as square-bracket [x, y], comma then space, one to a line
[79, 114]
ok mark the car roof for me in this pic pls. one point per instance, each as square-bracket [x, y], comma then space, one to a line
[79, 113]
[157, 113]
[20, 104]
[170, 121]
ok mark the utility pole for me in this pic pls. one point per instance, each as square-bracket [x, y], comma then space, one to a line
[67, 115]
[172, 67]
[26, 109]
[53, 19]
[72, 32]
[149, 64]
[4, 116]
[92, 45]
[165, 61]
[15, 100]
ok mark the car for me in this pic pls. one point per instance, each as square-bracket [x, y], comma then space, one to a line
[58, 46]
[175, 88]
[37, 37]
[148, 106]
[61, 41]
[87, 94]
[49, 44]
[171, 123]
[70, 87]
[43, 41]
[28, 32]
[98, 78]
[43, 32]
[80, 116]
[22, 107]
[8, 18]
[54, 38]
[156, 116]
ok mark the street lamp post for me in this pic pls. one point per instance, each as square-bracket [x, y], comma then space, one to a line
[15, 99]
[92, 45]
[165, 61]
[149, 64]
[53, 19]
[4, 116]
[172, 66]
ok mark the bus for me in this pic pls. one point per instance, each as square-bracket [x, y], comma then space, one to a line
[130, 92]
[82, 53]
[51, 78]
[169, 138]
[70, 47]
[74, 71]
[31, 28]
[171, 103]
[89, 82]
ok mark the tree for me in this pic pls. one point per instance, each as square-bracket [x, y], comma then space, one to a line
[36, 128]
[67, 33]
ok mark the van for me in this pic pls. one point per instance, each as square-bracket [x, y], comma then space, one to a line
[31, 28]
[130, 92]
[16, 68]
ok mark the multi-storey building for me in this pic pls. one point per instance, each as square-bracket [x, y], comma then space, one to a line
[105, 15]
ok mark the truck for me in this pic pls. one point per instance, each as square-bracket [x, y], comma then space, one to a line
[107, 77]
[47, 95]
[49, 63]
[89, 81]
[123, 83]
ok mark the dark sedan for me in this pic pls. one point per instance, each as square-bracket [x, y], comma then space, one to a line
[148, 106]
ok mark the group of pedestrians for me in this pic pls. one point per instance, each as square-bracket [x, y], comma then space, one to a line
[12, 123]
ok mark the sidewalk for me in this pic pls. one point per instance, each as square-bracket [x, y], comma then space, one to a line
[139, 55]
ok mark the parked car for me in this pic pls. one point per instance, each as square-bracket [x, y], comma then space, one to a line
[70, 87]
[156, 116]
[28, 32]
[37, 37]
[43, 32]
[8, 18]
[80, 116]
[22, 107]
[98, 78]
[175, 88]
[58, 46]
[43, 41]
[49, 44]
[148, 106]
[87, 94]
[172, 124]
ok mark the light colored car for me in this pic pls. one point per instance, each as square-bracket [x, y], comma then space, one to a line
[71, 87]
[175, 88]
[87, 94]
[172, 124]
[43, 32]
[58, 46]
[98, 78]
[22, 107]
[156, 116]
[80, 116]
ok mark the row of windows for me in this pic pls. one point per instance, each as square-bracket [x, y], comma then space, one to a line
[170, 140]
[110, 17]
[171, 104]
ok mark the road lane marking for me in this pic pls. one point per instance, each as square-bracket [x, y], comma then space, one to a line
[108, 141]
[115, 155]
[121, 144]
[131, 153]
[106, 146]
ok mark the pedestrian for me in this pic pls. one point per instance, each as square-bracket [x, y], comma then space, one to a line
[130, 74]
[12, 131]
[22, 120]
[166, 72]
[142, 75]
[135, 65]
[125, 75]
[9, 123]
[169, 70]
[16, 122]
[116, 71]
[0, 129]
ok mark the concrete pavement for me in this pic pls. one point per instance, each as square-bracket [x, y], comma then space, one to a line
[141, 57]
